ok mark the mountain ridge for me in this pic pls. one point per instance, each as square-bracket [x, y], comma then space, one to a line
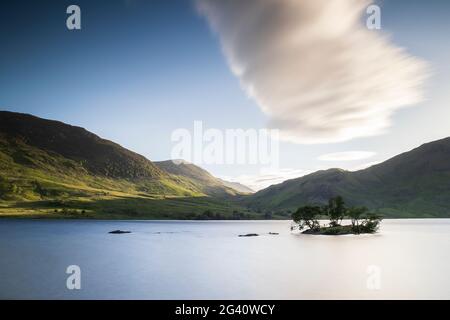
[101, 156]
[416, 182]
[47, 166]
[52, 169]
[198, 176]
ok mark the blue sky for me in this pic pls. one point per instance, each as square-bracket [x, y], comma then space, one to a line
[140, 69]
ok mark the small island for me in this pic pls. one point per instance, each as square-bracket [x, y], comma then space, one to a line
[362, 221]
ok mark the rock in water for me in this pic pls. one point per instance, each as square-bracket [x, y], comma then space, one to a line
[119, 232]
[249, 235]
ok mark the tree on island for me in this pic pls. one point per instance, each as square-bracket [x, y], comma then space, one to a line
[371, 223]
[362, 221]
[355, 214]
[335, 210]
[307, 216]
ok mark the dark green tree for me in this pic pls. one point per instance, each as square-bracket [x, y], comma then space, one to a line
[355, 214]
[307, 216]
[268, 215]
[371, 223]
[362, 220]
[336, 210]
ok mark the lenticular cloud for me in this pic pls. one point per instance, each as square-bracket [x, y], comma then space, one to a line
[314, 68]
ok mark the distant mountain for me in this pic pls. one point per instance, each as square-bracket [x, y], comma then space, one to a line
[239, 187]
[49, 168]
[62, 159]
[201, 178]
[412, 184]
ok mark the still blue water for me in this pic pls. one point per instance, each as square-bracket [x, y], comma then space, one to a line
[207, 260]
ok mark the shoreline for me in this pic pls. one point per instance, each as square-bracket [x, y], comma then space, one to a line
[109, 218]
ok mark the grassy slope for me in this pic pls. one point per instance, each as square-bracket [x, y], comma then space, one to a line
[50, 169]
[34, 183]
[413, 184]
[200, 178]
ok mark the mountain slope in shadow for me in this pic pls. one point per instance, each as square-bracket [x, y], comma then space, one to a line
[412, 184]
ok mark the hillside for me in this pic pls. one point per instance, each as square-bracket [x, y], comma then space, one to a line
[200, 178]
[52, 169]
[412, 184]
[97, 156]
[54, 166]
[239, 187]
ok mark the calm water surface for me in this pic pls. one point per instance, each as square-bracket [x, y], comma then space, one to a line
[207, 260]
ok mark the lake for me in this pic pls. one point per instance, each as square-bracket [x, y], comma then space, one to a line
[407, 259]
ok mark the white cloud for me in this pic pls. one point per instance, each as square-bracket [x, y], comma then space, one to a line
[347, 156]
[365, 165]
[267, 178]
[314, 68]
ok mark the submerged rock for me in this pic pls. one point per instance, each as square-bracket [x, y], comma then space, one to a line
[274, 233]
[119, 232]
[249, 235]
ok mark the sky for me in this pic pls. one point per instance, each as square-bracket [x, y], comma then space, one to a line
[339, 94]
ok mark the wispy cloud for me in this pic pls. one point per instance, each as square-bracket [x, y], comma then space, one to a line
[347, 156]
[268, 178]
[314, 68]
[365, 165]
